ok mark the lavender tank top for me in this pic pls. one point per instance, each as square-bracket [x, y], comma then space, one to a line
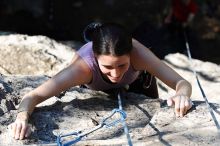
[98, 83]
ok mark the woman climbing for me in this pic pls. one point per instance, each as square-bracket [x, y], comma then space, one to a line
[111, 59]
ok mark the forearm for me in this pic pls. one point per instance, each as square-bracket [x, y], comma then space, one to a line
[50, 88]
[183, 87]
[27, 106]
[38, 95]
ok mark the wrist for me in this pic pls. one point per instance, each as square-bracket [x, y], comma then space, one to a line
[23, 115]
[183, 87]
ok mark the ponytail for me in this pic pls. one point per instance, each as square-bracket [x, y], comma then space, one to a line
[89, 30]
[108, 39]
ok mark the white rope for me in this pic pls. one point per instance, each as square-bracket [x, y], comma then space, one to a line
[198, 82]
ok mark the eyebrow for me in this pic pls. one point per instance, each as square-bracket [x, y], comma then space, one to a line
[106, 65]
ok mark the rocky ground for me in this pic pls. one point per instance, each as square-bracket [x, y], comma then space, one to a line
[27, 61]
[32, 55]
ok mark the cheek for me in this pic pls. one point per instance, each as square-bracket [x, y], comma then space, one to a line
[104, 70]
[124, 69]
[127, 67]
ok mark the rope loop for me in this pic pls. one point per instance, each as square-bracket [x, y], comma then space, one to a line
[123, 116]
[104, 123]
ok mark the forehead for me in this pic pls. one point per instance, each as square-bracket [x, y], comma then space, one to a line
[110, 59]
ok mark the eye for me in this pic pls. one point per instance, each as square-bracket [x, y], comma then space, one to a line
[121, 66]
[108, 67]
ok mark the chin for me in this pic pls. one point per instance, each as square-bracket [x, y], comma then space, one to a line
[115, 80]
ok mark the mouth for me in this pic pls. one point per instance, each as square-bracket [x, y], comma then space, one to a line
[115, 79]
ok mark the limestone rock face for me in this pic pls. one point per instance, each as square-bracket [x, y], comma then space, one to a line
[150, 121]
[32, 55]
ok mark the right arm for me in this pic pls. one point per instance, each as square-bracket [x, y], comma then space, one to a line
[76, 73]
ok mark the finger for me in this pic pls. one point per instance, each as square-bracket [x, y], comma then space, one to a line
[187, 106]
[23, 131]
[182, 106]
[18, 131]
[190, 104]
[177, 106]
[169, 102]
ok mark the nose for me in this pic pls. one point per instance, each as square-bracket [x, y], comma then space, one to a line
[115, 73]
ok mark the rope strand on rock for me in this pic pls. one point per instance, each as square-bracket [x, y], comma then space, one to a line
[126, 131]
[198, 82]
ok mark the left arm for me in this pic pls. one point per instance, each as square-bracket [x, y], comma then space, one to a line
[148, 61]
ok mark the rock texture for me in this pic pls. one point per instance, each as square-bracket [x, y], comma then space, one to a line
[35, 55]
[150, 121]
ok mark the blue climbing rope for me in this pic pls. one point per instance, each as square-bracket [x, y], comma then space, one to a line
[104, 123]
[126, 131]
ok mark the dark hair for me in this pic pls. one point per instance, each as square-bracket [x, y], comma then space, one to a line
[108, 39]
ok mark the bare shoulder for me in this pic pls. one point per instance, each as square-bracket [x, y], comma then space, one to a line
[80, 70]
[142, 57]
